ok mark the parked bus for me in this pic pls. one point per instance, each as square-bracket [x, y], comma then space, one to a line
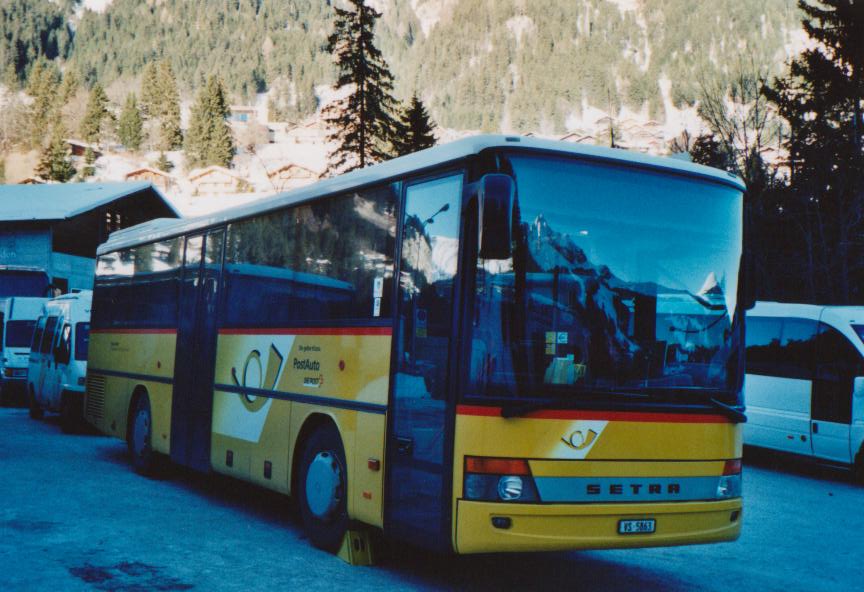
[17, 319]
[805, 381]
[21, 280]
[467, 348]
[58, 359]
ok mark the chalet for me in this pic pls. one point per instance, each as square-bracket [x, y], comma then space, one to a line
[217, 180]
[289, 176]
[578, 138]
[310, 132]
[242, 114]
[160, 179]
[79, 148]
[57, 226]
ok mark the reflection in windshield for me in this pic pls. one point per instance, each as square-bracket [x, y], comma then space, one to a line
[619, 279]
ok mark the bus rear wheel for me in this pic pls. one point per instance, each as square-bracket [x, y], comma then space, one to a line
[140, 437]
[35, 410]
[70, 416]
[323, 489]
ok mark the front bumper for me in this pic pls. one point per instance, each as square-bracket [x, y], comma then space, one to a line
[557, 527]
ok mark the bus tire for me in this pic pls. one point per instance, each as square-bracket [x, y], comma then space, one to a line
[35, 410]
[323, 488]
[858, 467]
[69, 417]
[140, 437]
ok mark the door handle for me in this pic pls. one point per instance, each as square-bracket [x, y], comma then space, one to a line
[815, 428]
[404, 445]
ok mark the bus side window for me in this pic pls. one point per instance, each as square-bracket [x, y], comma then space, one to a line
[48, 336]
[763, 345]
[837, 364]
[37, 335]
[796, 349]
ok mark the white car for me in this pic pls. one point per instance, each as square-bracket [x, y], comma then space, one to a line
[17, 320]
[57, 372]
[804, 387]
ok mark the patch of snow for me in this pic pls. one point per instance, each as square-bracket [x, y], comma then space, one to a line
[520, 25]
[625, 5]
[430, 12]
[95, 5]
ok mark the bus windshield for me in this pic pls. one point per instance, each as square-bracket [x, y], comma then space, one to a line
[19, 333]
[21, 282]
[622, 286]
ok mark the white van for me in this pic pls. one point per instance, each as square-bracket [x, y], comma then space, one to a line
[804, 388]
[58, 359]
[17, 320]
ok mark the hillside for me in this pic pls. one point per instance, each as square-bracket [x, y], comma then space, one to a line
[509, 65]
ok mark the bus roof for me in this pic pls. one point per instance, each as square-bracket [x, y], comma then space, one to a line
[419, 161]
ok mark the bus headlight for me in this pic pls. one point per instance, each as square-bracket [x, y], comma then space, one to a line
[729, 484]
[499, 480]
[510, 488]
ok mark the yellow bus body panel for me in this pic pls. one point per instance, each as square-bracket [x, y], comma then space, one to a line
[334, 372]
[659, 446]
[132, 359]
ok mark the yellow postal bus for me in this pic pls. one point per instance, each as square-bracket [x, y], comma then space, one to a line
[499, 344]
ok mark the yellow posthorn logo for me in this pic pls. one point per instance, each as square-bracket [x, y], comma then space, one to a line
[579, 440]
[253, 376]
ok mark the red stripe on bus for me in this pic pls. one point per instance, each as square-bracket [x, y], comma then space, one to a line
[311, 331]
[136, 331]
[482, 411]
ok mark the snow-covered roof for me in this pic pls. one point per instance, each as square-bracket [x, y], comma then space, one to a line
[413, 163]
[61, 201]
[212, 170]
[150, 170]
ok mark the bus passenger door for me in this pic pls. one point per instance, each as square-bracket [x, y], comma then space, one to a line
[837, 364]
[192, 403]
[418, 494]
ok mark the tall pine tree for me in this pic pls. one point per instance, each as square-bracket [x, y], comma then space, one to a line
[209, 139]
[150, 101]
[130, 128]
[364, 127]
[97, 115]
[42, 86]
[822, 99]
[55, 163]
[417, 130]
[170, 134]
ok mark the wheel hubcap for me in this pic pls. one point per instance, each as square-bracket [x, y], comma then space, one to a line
[324, 485]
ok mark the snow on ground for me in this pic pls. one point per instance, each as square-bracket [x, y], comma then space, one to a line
[76, 517]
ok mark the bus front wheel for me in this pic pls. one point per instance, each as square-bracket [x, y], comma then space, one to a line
[323, 489]
[140, 437]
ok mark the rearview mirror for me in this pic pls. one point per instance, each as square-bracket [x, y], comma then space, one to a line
[495, 196]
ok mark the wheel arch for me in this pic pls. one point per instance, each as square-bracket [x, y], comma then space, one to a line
[138, 392]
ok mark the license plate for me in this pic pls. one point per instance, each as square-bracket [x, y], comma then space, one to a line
[636, 526]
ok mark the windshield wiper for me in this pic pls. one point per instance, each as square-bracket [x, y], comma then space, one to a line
[733, 413]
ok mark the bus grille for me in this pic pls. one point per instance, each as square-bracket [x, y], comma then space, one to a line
[95, 397]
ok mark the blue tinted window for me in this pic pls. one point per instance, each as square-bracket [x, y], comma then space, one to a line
[82, 340]
[313, 263]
